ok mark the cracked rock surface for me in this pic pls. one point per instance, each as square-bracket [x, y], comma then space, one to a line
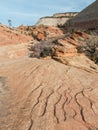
[48, 95]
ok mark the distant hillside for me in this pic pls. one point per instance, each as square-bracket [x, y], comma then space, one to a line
[87, 18]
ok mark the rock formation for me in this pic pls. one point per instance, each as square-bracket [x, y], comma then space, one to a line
[8, 35]
[39, 94]
[57, 19]
[68, 14]
[13, 43]
[68, 45]
[41, 32]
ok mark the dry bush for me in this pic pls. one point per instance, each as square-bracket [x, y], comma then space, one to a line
[90, 48]
[41, 49]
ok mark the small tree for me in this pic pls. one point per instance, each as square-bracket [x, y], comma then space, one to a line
[10, 22]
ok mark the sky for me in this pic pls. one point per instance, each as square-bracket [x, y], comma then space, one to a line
[27, 12]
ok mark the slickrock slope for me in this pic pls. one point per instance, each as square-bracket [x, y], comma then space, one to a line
[50, 94]
[87, 18]
[57, 89]
[13, 51]
[8, 35]
[13, 44]
[47, 95]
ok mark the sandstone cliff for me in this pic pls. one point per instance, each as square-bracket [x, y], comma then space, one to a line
[56, 19]
[67, 14]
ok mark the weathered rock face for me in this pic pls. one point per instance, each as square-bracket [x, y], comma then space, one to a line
[88, 18]
[56, 19]
[11, 36]
[13, 51]
[52, 21]
[41, 32]
[49, 95]
[45, 32]
[13, 44]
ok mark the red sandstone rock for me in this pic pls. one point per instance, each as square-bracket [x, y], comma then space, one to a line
[59, 46]
[42, 32]
[11, 36]
[49, 95]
